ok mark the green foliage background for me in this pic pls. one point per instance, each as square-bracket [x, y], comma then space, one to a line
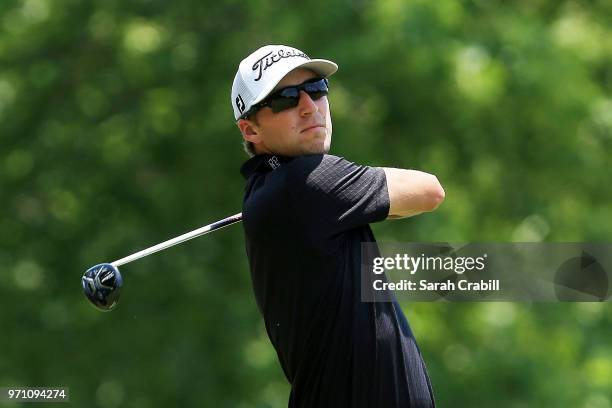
[116, 132]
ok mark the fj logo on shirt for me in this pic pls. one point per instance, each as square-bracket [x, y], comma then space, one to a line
[270, 59]
[274, 163]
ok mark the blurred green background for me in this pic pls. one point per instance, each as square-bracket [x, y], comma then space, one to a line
[116, 133]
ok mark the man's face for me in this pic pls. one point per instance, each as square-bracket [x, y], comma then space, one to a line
[304, 129]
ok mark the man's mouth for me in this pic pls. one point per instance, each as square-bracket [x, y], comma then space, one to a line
[312, 127]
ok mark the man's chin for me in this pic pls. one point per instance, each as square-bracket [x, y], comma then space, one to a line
[320, 148]
[319, 144]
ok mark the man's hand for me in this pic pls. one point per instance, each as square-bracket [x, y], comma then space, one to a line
[412, 192]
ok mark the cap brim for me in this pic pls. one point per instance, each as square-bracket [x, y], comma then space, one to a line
[323, 67]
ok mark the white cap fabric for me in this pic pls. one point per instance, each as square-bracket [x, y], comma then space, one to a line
[261, 71]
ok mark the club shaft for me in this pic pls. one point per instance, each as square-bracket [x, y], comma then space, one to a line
[180, 239]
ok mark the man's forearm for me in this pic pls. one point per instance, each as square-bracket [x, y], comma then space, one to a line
[412, 192]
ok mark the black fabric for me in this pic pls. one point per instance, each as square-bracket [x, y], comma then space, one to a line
[304, 219]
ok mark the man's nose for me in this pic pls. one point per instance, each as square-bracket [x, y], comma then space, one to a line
[306, 105]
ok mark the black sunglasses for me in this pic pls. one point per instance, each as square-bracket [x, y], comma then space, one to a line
[289, 97]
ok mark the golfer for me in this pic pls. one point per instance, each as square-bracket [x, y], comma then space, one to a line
[306, 214]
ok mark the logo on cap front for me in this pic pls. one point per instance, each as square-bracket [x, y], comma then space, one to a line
[272, 58]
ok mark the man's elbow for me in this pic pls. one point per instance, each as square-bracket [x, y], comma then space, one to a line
[435, 195]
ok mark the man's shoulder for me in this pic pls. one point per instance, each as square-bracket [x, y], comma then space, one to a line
[300, 173]
[304, 165]
[315, 159]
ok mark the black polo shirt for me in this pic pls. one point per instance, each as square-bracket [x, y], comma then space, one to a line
[304, 220]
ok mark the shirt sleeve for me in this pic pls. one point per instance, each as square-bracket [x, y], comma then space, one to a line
[333, 195]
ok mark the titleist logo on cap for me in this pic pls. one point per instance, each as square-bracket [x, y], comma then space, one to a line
[271, 58]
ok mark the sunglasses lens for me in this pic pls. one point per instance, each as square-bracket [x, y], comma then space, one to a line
[317, 95]
[317, 86]
[291, 92]
[316, 89]
[281, 103]
[289, 97]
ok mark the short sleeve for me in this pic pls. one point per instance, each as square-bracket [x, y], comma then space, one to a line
[333, 195]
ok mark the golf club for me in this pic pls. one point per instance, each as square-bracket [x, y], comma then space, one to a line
[102, 283]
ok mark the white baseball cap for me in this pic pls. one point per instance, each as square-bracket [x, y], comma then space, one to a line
[261, 71]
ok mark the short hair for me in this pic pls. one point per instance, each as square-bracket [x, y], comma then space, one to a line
[249, 147]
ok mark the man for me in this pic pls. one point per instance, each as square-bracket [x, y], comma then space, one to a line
[305, 215]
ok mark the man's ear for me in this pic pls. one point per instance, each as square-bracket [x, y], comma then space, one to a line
[249, 130]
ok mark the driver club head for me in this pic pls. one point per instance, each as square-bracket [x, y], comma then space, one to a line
[102, 286]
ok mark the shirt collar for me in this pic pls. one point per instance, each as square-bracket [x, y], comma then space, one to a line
[262, 162]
